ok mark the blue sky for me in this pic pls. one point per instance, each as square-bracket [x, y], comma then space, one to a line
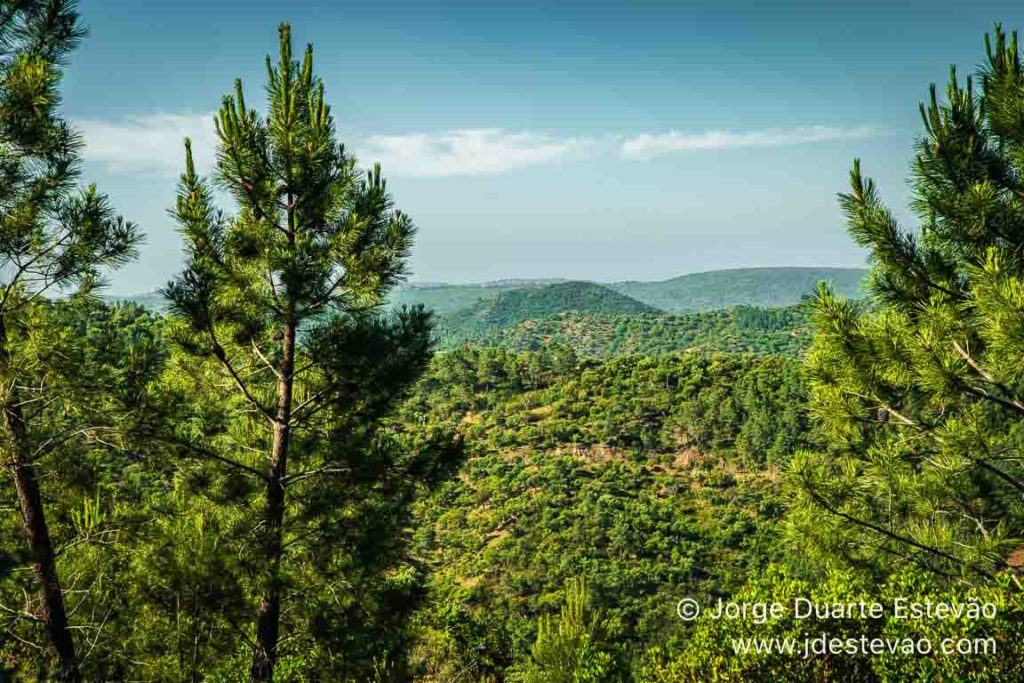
[598, 140]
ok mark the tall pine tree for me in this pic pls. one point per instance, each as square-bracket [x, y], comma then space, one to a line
[54, 239]
[276, 309]
[921, 387]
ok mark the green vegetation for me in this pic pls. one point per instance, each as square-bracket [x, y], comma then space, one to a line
[765, 287]
[520, 305]
[277, 301]
[959, 645]
[276, 474]
[760, 287]
[921, 394]
[650, 476]
[595, 321]
[699, 292]
[782, 331]
[52, 238]
[447, 299]
[568, 650]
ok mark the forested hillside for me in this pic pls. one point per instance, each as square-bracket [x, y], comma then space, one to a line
[595, 321]
[763, 330]
[760, 287]
[519, 305]
[445, 299]
[653, 476]
[698, 292]
[276, 471]
[742, 287]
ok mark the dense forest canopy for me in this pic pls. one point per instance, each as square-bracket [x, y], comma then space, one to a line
[279, 470]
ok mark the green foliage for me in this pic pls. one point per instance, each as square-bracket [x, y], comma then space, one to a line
[763, 287]
[618, 471]
[759, 287]
[919, 390]
[444, 299]
[568, 649]
[99, 487]
[519, 305]
[726, 650]
[746, 403]
[54, 238]
[275, 327]
[782, 331]
[259, 473]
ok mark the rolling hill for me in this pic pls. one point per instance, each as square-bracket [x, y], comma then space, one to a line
[151, 300]
[765, 287]
[446, 298]
[783, 331]
[711, 290]
[508, 302]
[533, 302]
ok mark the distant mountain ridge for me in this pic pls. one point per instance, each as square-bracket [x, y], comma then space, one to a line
[151, 300]
[516, 306]
[696, 292]
[778, 331]
[762, 287]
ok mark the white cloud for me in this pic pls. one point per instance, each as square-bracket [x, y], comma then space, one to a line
[646, 145]
[469, 151]
[151, 143]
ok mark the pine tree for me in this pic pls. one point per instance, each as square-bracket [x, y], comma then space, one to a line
[53, 240]
[568, 649]
[919, 388]
[278, 302]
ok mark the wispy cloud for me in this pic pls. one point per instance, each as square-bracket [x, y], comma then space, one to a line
[648, 145]
[153, 143]
[469, 151]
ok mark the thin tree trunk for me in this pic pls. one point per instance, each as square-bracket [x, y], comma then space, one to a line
[269, 622]
[33, 518]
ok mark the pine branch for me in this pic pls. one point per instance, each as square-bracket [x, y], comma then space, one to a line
[220, 355]
[1012, 406]
[818, 498]
[988, 377]
[210, 455]
[314, 400]
[295, 478]
[259, 354]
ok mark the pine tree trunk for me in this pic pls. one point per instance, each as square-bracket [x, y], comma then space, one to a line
[44, 565]
[269, 622]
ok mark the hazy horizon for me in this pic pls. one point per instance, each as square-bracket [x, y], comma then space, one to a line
[580, 141]
[108, 291]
